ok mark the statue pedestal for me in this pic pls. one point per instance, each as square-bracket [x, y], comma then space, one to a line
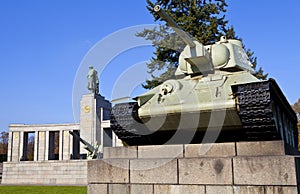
[94, 109]
[235, 167]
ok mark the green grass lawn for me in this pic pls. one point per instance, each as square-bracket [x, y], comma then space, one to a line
[42, 189]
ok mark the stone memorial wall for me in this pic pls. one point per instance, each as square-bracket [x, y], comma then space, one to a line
[49, 154]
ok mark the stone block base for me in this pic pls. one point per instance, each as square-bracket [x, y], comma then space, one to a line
[187, 189]
[225, 168]
[69, 172]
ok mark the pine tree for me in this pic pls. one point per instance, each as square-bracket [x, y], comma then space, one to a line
[204, 20]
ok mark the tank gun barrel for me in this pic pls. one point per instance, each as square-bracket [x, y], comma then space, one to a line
[93, 151]
[88, 146]
[183, 35]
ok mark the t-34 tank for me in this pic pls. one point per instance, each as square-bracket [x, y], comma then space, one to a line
[217, 99]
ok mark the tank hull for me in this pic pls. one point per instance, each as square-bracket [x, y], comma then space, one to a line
[254, 111]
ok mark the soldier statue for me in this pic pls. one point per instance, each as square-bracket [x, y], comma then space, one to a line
[93, 81]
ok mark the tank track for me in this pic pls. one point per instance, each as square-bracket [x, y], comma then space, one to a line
[265, 113]
[131, 130]
[124, 126]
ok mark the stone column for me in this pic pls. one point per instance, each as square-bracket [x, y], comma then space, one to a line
[21, 145]
[41, 145]
[61, 144]
[47, 146]
[9, 150]
[36, 145]
[15, 146]
[66, 145]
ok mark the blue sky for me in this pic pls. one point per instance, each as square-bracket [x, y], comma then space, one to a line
[44, 44]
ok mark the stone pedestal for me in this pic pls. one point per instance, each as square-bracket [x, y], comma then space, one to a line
[227, 168]
[93, 110]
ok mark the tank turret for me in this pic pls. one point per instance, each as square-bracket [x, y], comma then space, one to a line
[215, 93]
[197, 58]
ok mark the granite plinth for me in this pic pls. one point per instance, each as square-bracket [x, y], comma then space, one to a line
[230, 168]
